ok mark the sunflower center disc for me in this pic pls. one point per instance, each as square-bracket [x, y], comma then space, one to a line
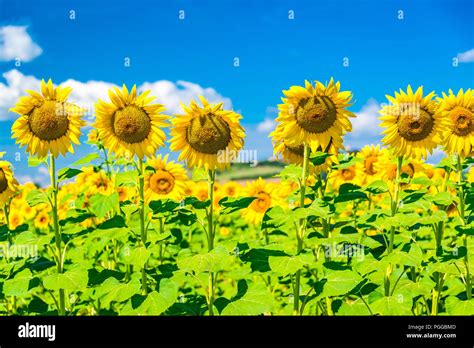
[316, 114]
[348, 173]
[415, 127]
[131, 124]
[463, 120]
[208, 134]
[49, 120]
[369, 165]
[296, 150]
[162, 182]
[3, 181]
[261, 203]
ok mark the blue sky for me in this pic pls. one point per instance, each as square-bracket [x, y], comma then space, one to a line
[385, 52]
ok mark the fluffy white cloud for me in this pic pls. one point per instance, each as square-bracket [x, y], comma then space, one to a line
[15, 43]
[86, 94]
[365, 127]
[172, 94]
[40, 176]
[466, 57]
[266, 126]
[15, 86]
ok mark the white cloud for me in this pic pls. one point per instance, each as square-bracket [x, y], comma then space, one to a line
[15, 86]
[266, 126]
[16, 43]
[466, 57]
[86, 94]
[41, 177]
[172, 94]
[365, 126]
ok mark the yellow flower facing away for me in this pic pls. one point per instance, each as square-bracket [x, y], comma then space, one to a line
[8, 184]
[130, 124]
[164, 179]
[413, 125]
[459, 110]
[315, 115]
[208, 136]
[47, 123]
[265, 198]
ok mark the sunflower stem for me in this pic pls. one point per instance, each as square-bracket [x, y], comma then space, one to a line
[462, 212]
[326, 231]
[141, 184]
[395, 200]
[300, 231]
[439, 232]
[7, 221]
[210, 237]
[394, 207]
[107, 163]
[57, 231]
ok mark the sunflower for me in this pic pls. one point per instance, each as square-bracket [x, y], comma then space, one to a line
[165, 180]
[388, 168]
[200, 191]
[130, 124]
[42, 221]
[8, 184]
[208, 137]
[231, 189]
[47, 123]
[294, 154]
[353, 175]
[16, 219]
[413, 125]
[315, 114]
[265, 198]
[370, 155]
[459, 110]
[93, 136]
[28, 212]
[125, 193]
[98, 182]
[188, 188]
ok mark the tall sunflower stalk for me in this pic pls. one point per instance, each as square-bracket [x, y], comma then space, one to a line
[48, 124]
[462, 214]
[201, 134]
[211, 228]
[143, 231]
[301, 228]
[60, 255]
[311, 118]
[130, 124]
[394, 208]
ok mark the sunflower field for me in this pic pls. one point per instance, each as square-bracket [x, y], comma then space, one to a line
[124, 231]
